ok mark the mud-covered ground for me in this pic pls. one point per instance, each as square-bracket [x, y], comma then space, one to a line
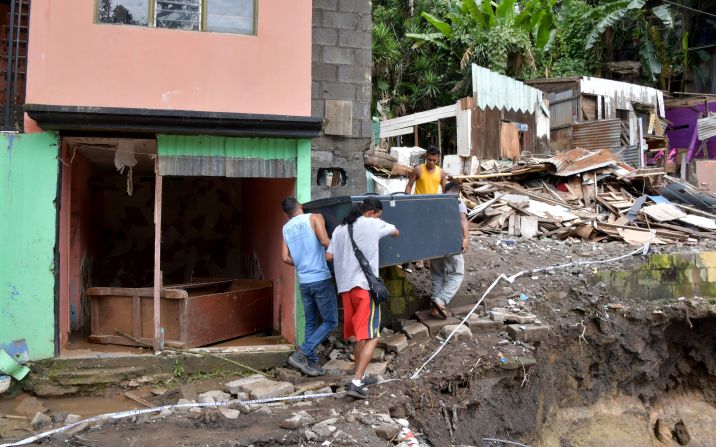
[615, 370]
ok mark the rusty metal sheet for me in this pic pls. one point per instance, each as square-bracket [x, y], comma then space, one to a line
[598, 134]
[580, 160]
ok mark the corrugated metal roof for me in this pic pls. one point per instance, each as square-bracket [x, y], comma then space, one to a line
[493, 90]
[598, 134]
[706, 127]
[581, 160]
[623, 93]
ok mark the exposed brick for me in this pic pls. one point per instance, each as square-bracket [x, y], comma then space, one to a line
[416, 332]
[315, 90]
[364, 6]
[364, 58]
[364, 93]
[367, 132]
[325, 36]
[341, 56]
[317, 17]
[351, 73]
[340, 20]
[318, 107]
[354, 39]
[365, 22]
[324, 72]
[361, 111]
[394, 343]
[463, 332]
[316, 53]
[325, 4]
[337, 90]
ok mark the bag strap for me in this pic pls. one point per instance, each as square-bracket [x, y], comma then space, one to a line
[362, 261]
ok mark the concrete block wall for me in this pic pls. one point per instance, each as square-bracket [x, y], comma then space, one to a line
[342, 64]
[403, 302]
[666, 277]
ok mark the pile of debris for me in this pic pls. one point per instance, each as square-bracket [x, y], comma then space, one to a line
[591, 195]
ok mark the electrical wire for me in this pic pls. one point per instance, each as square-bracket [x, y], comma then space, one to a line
[698, 11]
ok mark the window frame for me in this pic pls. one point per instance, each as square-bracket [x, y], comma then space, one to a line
[203, 19]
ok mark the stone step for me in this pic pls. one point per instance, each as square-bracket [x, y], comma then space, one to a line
[434, 324]
[96, 376]
[417, 332]
[393, 343]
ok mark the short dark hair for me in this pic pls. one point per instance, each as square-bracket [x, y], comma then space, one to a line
[432, 150]
[452, 186]
[289, 205]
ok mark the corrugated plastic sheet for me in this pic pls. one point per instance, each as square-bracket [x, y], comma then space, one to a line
[229, 147]
[706, 127]
[580, 160]
[597, 134]
[493, 90]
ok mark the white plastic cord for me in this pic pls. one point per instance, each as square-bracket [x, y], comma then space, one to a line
[129, 413]
[510, 279]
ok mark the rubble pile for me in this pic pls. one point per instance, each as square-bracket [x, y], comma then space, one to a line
[589, 195]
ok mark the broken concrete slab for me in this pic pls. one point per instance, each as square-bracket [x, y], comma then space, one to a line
[378, 355]
[434, 324]
[213, 396]
[463, 332]
[310, 385]
[267, 389]
[387, 431]
[416, 332]
[339, 367]
[462, 310]
[40, 420]
[72, 418]
[528, 333]
[229, 413]
[325, 428]
[507, 316]
[237, 386]
[393, 343]
[298, 420]
[483, 324]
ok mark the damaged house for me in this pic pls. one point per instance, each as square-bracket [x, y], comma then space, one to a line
[594, 113]
[143, 197]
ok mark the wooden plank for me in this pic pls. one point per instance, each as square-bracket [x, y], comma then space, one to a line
[141, 292]
[509, 141]
[94, 314]
[158, 339]
[138, 399]
[136, 317]
[415, 119]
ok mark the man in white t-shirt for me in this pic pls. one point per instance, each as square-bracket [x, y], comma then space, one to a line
[361, 314]
[448, 272]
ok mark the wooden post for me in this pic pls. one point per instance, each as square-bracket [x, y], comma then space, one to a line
[440, 138]
[158, 338]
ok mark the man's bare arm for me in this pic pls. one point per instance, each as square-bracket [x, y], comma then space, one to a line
[319, 227]
[285, 255]
[329, 257]
[411, 180]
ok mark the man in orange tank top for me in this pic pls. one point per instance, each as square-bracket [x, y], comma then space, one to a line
[428, 176]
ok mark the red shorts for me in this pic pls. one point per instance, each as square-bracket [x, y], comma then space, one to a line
[361, 315]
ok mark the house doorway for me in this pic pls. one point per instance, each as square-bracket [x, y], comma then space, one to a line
[220, 250]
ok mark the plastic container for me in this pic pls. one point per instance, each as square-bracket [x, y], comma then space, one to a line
[429, 224]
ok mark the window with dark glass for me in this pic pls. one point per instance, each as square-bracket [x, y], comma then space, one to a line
[123, 12]
[220, 16]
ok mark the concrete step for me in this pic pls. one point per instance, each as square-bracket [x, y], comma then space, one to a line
[434, 324]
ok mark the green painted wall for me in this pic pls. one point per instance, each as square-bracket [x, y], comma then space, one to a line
[231, 147]
[28, 189]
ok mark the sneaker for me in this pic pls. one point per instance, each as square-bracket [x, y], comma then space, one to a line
[357, 391]
[369, 380]
[299, 361]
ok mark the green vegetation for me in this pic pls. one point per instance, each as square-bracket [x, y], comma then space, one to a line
[423, 49]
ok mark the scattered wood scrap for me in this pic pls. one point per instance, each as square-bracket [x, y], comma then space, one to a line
[600, 198]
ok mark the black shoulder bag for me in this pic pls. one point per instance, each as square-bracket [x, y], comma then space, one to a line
[375, 284]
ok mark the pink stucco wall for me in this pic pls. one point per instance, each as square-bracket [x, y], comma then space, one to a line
[73, 61]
